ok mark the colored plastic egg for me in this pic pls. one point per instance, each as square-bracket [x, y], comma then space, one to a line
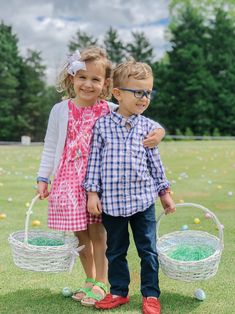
[208, 216]
[66, 292]
[197, 221]
[184, 227]
[2, 216]
[36, 223]
[200, 294]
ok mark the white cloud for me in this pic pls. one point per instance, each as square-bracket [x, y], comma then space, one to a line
[49, 25]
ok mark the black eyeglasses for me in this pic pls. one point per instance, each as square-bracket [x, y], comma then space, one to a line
[140, 93]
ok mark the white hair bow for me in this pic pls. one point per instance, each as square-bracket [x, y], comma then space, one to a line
[74, 63]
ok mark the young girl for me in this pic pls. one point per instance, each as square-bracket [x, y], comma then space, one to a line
[86, 79]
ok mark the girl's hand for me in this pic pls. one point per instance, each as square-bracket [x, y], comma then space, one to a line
[168, 203]
[93, 204]
[42, 189]
[154, 138]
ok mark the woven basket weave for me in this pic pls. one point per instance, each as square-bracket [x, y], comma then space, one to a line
[190, 270]
[53, 259]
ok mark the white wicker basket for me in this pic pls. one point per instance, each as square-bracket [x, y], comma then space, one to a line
[190, 270]
[43, 258]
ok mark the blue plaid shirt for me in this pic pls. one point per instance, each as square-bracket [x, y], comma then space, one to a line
[127, 175]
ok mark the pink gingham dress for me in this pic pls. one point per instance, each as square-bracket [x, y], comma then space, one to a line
[67, 201]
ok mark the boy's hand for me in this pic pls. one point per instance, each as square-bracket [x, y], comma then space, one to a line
[42, 190]
[168, 203]
[154, 138]
[93, 204]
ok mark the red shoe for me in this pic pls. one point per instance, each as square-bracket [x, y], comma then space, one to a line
[151, 305]
[110, 302]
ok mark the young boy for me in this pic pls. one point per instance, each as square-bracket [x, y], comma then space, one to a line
[128, 178]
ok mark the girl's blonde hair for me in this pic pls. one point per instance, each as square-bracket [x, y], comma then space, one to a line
[130, 68]
[65, 84]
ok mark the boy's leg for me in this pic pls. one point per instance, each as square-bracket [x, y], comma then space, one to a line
[117, 246]
[143, 226]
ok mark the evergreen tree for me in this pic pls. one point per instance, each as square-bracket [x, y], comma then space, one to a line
[160, 106]
[81, 40]
[185, 79]
[197, 83]
[114, 46]
[204, 7]
[140, 48]
[220, 61]
[34, 107]
[50, 97]
[9, 81]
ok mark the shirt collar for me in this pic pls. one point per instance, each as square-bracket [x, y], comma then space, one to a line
[119, 119]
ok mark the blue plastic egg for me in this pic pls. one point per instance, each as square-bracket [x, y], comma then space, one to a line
[184, 227]
[200, 294]
[67, 292]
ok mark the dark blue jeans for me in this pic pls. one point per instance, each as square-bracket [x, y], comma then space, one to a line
[143, 225]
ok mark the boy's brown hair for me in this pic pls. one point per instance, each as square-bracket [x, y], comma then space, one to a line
[130, 68]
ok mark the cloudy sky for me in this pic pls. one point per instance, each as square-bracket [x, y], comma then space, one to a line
[49, 25]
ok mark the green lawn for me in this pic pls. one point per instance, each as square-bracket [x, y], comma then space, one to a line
[202, 172]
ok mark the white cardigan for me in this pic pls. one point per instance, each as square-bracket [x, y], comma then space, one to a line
[55, 138]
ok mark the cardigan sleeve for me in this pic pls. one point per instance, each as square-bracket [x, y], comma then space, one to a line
[50, 142]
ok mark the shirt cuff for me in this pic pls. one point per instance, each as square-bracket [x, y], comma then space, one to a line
[42, 179]
[91, 187]
[164, 191]
[162, 187]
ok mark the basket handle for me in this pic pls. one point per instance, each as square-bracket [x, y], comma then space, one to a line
[205, 210]
[28, 213]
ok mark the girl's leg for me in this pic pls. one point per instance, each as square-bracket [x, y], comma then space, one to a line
[87, 259]
[97, 236]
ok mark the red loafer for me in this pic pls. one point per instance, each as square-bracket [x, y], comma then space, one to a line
[110, 302]
[151, 305]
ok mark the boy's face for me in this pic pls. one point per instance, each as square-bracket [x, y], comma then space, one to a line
[129, 104]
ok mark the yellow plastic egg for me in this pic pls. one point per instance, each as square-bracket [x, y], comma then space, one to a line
[36, 223]
[2, 216]
[197, 221]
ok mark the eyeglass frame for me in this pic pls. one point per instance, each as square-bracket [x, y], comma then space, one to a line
[144, 92]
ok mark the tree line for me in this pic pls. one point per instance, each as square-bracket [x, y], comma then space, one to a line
[195, 80]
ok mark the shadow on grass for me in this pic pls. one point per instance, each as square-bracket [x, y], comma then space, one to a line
[43, 301]
[178, 303]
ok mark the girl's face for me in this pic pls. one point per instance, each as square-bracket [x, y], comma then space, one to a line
[88, 84]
